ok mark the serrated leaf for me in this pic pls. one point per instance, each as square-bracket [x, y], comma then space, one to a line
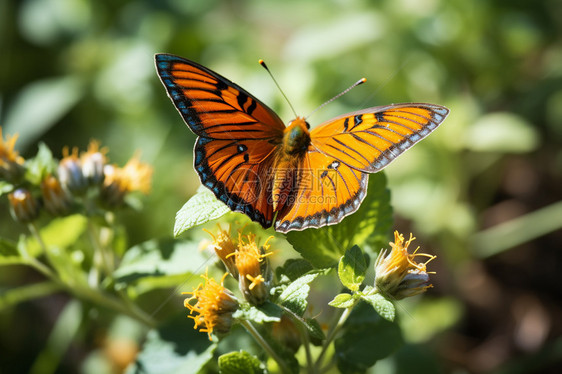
[295, 295]
[384, 307]
[315, 331]
[365, 339]
[267, 312]
[343, 300]
[202, 207]
[240, 363]
[368, 228]
[352, 268]
[175, 347]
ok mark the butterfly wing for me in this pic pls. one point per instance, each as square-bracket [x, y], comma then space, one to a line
[238, 134]
[333, 175]
[368, 140]
[326, 191]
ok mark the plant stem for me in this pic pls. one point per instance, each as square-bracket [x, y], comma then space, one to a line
[265, 345]
[332, 334]
[303, 331]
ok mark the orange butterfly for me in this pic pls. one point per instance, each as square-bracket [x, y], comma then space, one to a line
[286, 175]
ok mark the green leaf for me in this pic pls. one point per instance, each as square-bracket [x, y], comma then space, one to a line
[315, 331]
[175, 347]
[9, 254]
[368, 228]
[366, 338]
[41, 165]
[159, 263]
[267, 312]
[352, 268]
[50, 99]
[293, 268]
[343, 300]
[240, 363]
[294, 296]
[202, 207]
[60, 232]
[5, 187]
[18, 295]
[384, 307]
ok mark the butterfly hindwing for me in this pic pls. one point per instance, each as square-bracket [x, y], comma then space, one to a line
[370, 139]
[326, 191]
[237, 134]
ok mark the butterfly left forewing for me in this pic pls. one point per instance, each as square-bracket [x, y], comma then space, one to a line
[326, 190]
[370, 139]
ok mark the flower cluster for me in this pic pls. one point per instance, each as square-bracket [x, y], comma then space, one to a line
[78, 179]
[398, 275]
[213, 308]
[247, 262]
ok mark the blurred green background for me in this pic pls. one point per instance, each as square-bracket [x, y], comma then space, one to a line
[484, 192]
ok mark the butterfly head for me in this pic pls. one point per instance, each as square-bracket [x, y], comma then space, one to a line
[296, 137]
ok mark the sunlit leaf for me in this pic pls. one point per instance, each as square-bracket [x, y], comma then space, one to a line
[240, 363]
[202, 207]
[352, 268]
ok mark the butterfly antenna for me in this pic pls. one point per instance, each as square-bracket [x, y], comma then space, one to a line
[360, 81]
[262, 63]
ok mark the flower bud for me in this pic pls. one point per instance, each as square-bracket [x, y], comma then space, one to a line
[397, 274]
[93, 162]
[224, 248]
[56, 199]
[23, 206]
[255, 275]
[70, 172]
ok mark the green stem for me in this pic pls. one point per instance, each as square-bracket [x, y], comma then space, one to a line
[265, 345]
[303, 331]
[332, 334]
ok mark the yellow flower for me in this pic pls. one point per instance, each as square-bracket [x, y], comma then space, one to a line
[224, 248]
[255, 274]
[214, 307]
[398, 275]
[134, 176]
[11, 163]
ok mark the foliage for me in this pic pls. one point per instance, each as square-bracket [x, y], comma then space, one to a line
[76, 70]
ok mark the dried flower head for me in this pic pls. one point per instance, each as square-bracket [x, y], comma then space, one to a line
[11, 163]
[255, 274]
[398, 275]
[214, 307]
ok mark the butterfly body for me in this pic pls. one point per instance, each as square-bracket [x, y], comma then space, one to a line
[287, 176]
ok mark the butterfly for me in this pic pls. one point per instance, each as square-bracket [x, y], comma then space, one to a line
[289, 177]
